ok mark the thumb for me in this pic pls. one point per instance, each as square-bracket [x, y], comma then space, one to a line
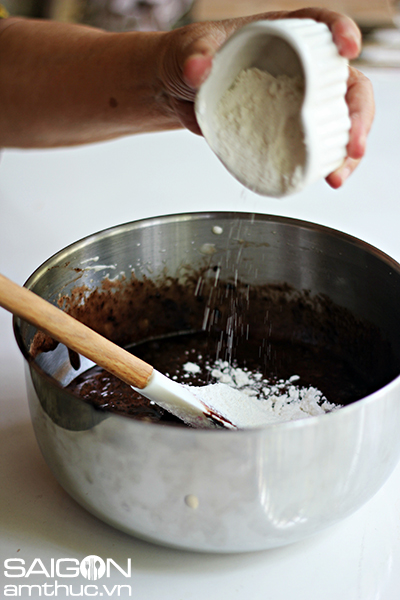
[196, 69]
[199, 52]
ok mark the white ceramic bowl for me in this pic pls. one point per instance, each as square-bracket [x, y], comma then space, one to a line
[292, 47]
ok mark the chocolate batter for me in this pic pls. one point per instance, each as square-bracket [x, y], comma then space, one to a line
[338, 380]
[273, 329]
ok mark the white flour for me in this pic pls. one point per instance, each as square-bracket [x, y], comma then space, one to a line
[260, 136]
[259, 402]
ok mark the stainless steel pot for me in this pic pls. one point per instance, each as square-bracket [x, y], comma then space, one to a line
[220, 491]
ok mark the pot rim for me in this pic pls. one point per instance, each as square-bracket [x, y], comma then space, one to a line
[173, 217]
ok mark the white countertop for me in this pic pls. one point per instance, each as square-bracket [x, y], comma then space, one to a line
[51, 198]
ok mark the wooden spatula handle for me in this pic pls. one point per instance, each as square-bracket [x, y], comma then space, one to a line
[76, 336]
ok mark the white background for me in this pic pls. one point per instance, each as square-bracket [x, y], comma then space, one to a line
[49, 199]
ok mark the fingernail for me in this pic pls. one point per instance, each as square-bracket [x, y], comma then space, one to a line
[344, 173]
[344, 40]
[205, 74]
[363, 143]
[353, 38]
[197, 72]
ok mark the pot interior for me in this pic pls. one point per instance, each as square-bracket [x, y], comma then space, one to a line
[288, 297]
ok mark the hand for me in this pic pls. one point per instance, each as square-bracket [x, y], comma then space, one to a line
[187, 60]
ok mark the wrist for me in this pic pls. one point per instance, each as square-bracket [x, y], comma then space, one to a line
[138, 98]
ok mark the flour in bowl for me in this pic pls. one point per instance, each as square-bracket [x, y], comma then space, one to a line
[260, 137]
[265, 402]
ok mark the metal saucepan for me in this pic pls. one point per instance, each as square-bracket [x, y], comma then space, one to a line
[219, 491]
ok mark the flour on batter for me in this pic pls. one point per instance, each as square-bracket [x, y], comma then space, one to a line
[259, 402]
